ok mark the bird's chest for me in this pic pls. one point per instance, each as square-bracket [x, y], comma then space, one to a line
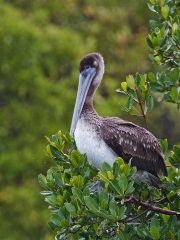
[89, 141]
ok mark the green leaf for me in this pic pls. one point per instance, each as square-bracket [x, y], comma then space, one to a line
[156, 87]
[77, 181]
[55, 138]
[134, 111]
[129, 188]
[91, 204]
[176, 149]
[121, 235]
[58, 179]
[115, 169]
[175, 157]
[110, 175]
[137, 79]
[152, 1]
[123, 183]
[120, 91]
[42, 181]
[61, 162]
[165, 11]
[121, 212]
[164, 230]
[60, 200]
[50, 175]
[130, 102]
[130, 81]
[143, 82]
[155, 232]
[52, 226]
[106, 167]
[113, 207]
[178, 234]
[166, 217]
[151, 7]
[90, 214]
[149, 104]
[113, 184]
[176, 74]
[167, 97]
[77, 194]
[56, 153]
[155, 222]
[105, 214]
[174, 94]
[103, 176]
[86, 191]
[52, 199]
[47, 139]
[67, 137]
[46, 192]
[56, 219]
[164, 145]
[151, 56]
[153, 24]
[103, 196]
[152, 77]
[124, 170]
[71, 209]
[133, 170]
[77, 159]
[143, 231]
[50, 185]
[150, 44]
[174, 28]
[103, 205]
[163, 41]
[124, 86]
[65, 223]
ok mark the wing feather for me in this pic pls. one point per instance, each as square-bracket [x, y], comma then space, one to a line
[130, 141]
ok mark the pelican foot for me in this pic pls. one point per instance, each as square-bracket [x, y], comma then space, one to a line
[97, 186]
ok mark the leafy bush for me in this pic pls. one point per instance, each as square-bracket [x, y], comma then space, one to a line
[164, 42]
[122, 209]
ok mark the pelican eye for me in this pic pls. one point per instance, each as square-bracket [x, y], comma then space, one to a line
[86, 67]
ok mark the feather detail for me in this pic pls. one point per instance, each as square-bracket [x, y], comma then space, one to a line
[130, 141]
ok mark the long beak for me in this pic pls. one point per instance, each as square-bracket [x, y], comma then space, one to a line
[85, 80]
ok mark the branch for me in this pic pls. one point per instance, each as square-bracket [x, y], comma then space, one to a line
[139, 215]
[142, 110]
[159, 200]
[150, 207]
[73, 232]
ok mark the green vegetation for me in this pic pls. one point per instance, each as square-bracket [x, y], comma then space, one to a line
[123, 209]
[41, 44]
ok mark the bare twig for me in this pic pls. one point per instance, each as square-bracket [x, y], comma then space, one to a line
[142, 110]
[139, 215]
[150, 207]
[159, 200]
[73, 232]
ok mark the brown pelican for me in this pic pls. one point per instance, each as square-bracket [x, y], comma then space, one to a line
[104, 139]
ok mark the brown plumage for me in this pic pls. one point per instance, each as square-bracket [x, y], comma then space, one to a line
[130, 141]
[106, 138]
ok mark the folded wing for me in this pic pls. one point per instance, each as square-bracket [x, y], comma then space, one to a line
[130, 141]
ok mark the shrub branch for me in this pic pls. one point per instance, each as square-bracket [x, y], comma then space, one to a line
[150, 207]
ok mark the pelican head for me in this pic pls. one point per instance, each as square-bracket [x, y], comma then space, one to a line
[91, 72]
